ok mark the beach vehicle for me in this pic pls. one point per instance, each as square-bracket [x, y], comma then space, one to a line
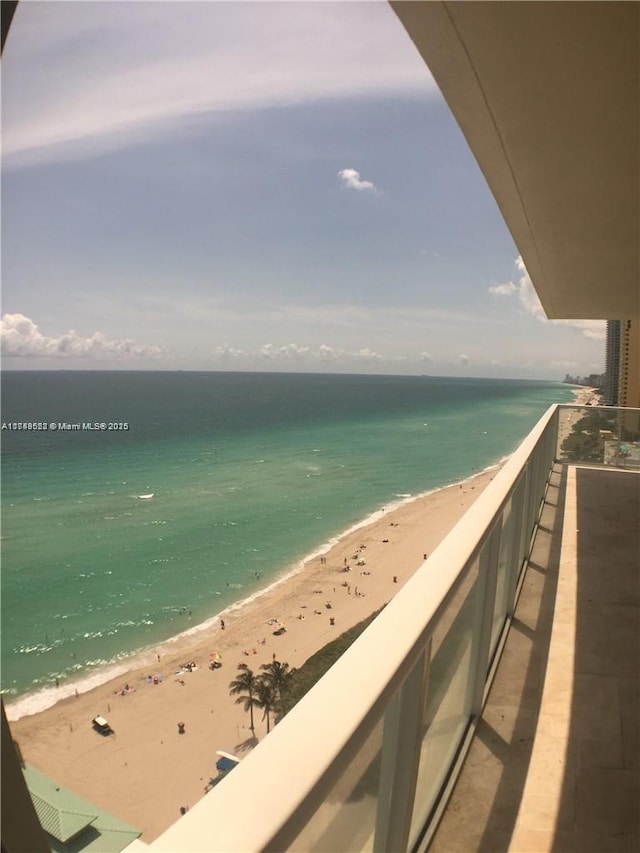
[102, 726]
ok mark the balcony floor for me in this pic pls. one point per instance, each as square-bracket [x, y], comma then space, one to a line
[555, 763]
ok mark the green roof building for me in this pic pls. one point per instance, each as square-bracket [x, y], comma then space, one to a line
[72, 824]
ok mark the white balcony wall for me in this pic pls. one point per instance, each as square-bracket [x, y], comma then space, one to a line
[366, 759]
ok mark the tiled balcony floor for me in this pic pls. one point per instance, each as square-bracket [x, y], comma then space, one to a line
[555, 764]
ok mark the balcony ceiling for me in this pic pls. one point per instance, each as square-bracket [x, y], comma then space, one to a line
[547, 95]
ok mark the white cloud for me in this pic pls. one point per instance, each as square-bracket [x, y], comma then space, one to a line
[503, 289]
[463, 358]
[426, 356]
[351, 180]
[526, 292]
[595, 329]
[80, 77]
[288, 351]
[22, 338]
[225, 351]
[293, 351]
[325, 352]
[321, 353]
[368, 354]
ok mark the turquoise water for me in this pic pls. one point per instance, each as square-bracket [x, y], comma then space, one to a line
[249, 474]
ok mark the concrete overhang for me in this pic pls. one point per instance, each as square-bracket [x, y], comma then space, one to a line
[547, 95]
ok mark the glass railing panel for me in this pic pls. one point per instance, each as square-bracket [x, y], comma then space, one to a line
[447, 702]
[599, 436]
[346, 819]
[579, 434]
[507, 550]
[449, 640]
[626, 453]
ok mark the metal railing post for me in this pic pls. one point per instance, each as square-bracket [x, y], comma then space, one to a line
[401, 759]
[481, 641]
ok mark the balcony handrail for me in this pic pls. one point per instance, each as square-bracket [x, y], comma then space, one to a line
[286, 779]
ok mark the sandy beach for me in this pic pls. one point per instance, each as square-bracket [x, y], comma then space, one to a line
[584, 397]
[147, 771]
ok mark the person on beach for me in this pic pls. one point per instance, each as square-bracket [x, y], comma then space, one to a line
[222, 624]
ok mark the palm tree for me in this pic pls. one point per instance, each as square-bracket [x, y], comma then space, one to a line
[245, 684]
[265, 698]
[278, 676]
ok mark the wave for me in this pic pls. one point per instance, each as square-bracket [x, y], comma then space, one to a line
[47, 697]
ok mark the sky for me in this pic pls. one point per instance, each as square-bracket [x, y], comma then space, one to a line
[252, 186]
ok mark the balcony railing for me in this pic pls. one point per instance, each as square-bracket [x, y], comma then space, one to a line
[367, 758]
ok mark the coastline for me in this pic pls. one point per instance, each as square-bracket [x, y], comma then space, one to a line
[121, 773]
[584, 396]
[45, 698]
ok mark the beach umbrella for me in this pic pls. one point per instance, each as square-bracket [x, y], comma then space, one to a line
[226, 762]
[228, 755]
[223, 765]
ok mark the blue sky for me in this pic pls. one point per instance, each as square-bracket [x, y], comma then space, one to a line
[252, 186]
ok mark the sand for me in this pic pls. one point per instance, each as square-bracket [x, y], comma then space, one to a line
[584, 397]
[146, 771]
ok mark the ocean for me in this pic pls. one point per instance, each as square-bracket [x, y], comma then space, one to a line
[201, 490]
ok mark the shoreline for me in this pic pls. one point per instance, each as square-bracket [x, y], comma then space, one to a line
[127, 774]
[36, 702]
[585, 397]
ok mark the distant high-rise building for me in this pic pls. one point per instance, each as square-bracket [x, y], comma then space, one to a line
[622, 373]
[629, 368]
[612, 363]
